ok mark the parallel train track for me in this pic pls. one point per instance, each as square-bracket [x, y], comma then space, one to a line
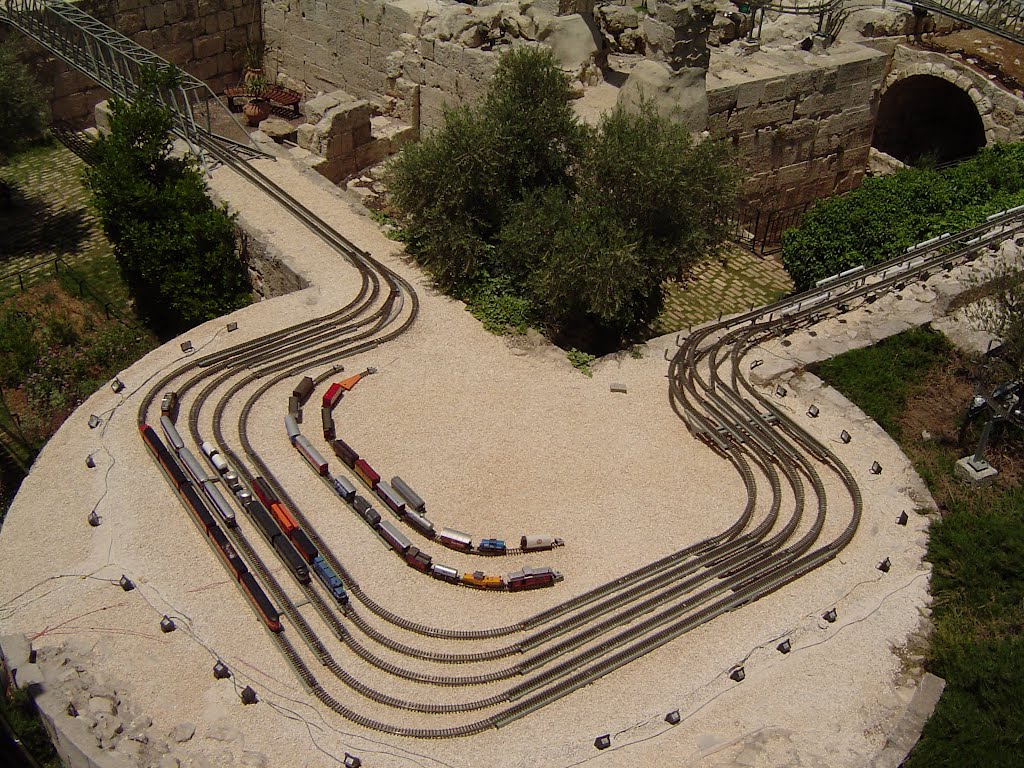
[572, 644]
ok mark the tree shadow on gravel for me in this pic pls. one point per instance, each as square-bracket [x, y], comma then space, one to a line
[33, 226]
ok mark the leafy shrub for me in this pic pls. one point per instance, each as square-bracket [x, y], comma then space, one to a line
[578, 226]
[888, 214]
[22, 101]
[580, 361]
[176, 249]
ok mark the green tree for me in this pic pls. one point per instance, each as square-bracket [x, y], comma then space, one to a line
[176, 249]
[580, 225]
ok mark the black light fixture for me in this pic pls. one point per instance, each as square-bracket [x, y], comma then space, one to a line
[738, 674]
[186, 346]
[167, 625]
[90, 462]
[603, 742]
[780, 391]
[248, 695]
[876, 468]
[885, 565]
[232, 326]
[845, 437]
[813, 411]
[756, 363]
[221, 671]
[673, 717]
[351, 761]
[93, 518]
[116, 385]
[785, 646]
[902, 519]
[94, 421]
[830, 615]
[126, 584]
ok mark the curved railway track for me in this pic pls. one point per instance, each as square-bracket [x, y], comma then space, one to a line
[790, 524]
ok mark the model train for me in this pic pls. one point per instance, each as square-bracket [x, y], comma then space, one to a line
[268, 514]
[204, 520]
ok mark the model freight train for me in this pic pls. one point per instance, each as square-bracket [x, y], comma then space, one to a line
[404, 505]
[208, 526]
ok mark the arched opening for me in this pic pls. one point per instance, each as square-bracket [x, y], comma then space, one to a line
[927, 120]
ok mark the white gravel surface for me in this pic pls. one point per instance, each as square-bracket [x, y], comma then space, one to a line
[500, 438]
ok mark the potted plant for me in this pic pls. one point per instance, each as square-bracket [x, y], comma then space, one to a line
[257, 109]
[252, 61]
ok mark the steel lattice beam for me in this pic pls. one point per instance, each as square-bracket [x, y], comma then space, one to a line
[116, 62]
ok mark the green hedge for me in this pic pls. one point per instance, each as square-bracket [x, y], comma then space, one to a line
[888, 214]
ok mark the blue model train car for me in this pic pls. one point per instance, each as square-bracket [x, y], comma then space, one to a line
[330, 579]
[492, 547]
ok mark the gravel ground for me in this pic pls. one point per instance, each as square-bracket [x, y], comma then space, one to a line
[500, 437]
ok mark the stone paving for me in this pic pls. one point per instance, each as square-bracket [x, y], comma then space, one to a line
[53, 218]
[735, 282]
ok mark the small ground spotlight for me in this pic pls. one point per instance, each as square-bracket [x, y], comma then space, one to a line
[221, 671]
[248, 695]
[830, 615]
[232, 327]
[94, 421]
[126, 584]
[885, 565]
[603, 742]
[780, 391]
[93, 518]
[167, 625]
[117, 385]
[351, 761]
[90, 462]
[186, 346]
[845, 437]
[876, 468]
[902, 519]
[673, 717]
[785, 646]
[738, 674]
[813, 411]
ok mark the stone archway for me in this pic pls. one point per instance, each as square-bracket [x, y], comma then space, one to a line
[927, 119]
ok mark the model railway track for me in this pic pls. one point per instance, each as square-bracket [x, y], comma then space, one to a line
[590, 635]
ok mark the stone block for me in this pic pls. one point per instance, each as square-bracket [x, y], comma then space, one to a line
[749, 94]
[448, 55]
[722, 99]
[154, 16]
[315, 109]
[304, 135]
[774, 90]
[774, 114]
[130, 23]
[208, 45]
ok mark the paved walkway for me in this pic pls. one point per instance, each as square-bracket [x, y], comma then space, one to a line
[734, 283]
[53, 218]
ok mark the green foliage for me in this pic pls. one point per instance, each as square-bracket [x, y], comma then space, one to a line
[888, 214]
[581, 226]
[495, 304]
[23, 105]
[580, 361]
[18, 350]
[977, 553]
[20, 713]
[879, 379]
[176, 249]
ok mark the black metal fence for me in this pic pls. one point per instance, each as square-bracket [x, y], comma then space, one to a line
[20, 280]
[761, 230]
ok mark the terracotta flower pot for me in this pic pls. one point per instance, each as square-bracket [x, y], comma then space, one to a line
[256, 111]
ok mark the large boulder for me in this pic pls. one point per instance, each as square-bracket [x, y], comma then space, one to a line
[618, 18]
[574, 40]
[679, 95]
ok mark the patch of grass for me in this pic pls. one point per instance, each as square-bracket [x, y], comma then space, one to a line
[580, 361]
[976, 548]
[880, 379]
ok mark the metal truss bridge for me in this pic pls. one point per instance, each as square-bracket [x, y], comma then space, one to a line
[116, 62]
[1004, 18]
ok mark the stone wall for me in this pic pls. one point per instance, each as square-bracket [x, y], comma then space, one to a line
[410, 57]
[204, 37]
[801, 124]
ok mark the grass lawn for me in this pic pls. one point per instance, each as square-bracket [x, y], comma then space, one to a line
[917, 387]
